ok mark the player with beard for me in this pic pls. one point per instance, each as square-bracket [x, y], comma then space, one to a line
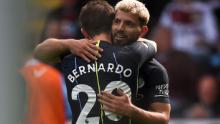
[118, 68]
[156, 108]
[130, 16]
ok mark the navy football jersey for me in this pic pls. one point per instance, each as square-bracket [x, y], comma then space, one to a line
[117, 68]
[154, 86]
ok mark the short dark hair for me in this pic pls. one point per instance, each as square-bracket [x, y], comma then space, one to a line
[96, 17]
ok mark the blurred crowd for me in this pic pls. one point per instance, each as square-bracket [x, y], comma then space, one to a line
[188, 37]
[187, 34]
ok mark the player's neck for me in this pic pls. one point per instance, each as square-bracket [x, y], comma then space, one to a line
[103, 37]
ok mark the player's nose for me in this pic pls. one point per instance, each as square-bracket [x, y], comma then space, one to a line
[121, 27]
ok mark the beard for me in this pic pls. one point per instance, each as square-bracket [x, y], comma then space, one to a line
[119, 38]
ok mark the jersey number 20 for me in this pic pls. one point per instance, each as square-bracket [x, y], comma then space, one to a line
[82, 119]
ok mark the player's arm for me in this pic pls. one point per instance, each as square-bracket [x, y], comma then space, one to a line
[151, 48]
[152, 43]
[156, 94]
[52, 49]
[159, 113]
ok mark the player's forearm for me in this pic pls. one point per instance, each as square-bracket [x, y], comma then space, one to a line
[50, 50]
[147, 117]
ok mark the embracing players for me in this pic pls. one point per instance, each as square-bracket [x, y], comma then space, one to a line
[117, 68]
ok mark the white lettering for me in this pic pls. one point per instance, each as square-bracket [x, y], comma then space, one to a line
[82, 70]
[127, 72]
[162, 90]
[75, 73]
[71, 78]
[101, 67]
[91, 67]
[119, 69]
[110, 67]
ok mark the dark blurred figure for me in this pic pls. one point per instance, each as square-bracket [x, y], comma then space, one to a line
[207, 104]
[215, 4]
[187, 40]
[62, 22]
[181, 70]
[215, 57]
[193, 28]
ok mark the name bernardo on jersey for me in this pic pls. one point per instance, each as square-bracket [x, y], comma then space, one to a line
[89, 68]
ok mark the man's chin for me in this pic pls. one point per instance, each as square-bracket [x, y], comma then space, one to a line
[119, 41]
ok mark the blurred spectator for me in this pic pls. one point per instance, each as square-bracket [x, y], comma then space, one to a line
[215, 57]
[193, 27]
[207, 105]
[62, 22]
[187, 37]
[46, 98]
[181, 70]
[215, 4]
[163, 37]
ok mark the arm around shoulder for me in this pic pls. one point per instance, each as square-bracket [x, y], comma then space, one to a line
[151, 42]
[50, 50]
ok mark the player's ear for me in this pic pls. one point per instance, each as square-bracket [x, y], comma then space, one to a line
[144, 30]
[85, 34]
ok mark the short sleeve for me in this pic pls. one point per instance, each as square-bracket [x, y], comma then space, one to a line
[156, 82]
